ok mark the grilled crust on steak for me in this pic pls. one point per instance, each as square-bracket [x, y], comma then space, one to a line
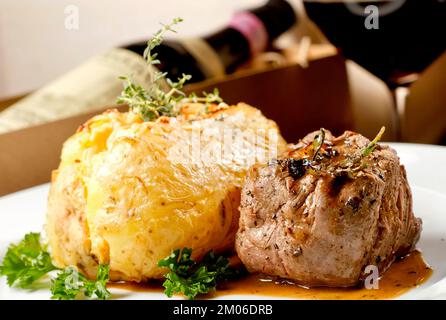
[323, 226]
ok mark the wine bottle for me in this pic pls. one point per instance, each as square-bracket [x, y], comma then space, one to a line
[95, 84]
[247, 34]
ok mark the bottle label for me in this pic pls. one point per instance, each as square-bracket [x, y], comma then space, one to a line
[252, 29]
[206, 57]
[92, 86]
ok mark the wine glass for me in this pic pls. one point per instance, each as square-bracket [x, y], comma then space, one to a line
[393, 39]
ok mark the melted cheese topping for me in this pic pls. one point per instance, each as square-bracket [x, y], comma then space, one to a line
[148, 189]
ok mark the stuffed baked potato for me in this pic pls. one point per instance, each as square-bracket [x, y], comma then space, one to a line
[128, 192]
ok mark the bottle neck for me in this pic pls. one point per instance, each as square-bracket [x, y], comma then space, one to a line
[231, 46]
[174, 59]
[248, 33]
[251, 32]
[277, 16]
[253, 29]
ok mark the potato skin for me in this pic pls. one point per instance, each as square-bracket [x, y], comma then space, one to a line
[126, 195]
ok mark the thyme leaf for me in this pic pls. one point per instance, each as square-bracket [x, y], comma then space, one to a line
[318, 142]
[372, 145]
[155, 102]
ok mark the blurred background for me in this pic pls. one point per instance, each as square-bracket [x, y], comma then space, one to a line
[385, 71]
[36, 47]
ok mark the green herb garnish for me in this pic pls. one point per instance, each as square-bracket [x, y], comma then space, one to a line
[29, 261]
[372, 145]
[318, 143]
[155, 102]
[191, 278]
[70, 284]
[26, 262]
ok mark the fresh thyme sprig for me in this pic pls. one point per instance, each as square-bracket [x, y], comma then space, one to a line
[154, 102]
[372, 145]
[157, 39]
[355, 163]
[318, 142]
[208, 98]
[351, 165]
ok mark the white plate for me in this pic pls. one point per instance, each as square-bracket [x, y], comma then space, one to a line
[24, 211]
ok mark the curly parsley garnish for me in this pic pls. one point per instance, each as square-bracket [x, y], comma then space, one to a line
[155, 102]
[70, 284]
[28, 261]
[191, 278]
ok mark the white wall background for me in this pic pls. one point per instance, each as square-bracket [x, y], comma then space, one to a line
[35, 46]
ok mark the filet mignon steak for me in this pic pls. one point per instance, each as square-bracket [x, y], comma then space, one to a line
[326, 209]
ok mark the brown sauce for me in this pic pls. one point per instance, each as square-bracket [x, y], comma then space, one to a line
[402, 276]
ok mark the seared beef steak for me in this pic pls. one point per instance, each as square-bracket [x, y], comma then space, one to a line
[325, 210]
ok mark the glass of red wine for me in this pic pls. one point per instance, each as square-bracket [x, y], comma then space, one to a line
[393, 39]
